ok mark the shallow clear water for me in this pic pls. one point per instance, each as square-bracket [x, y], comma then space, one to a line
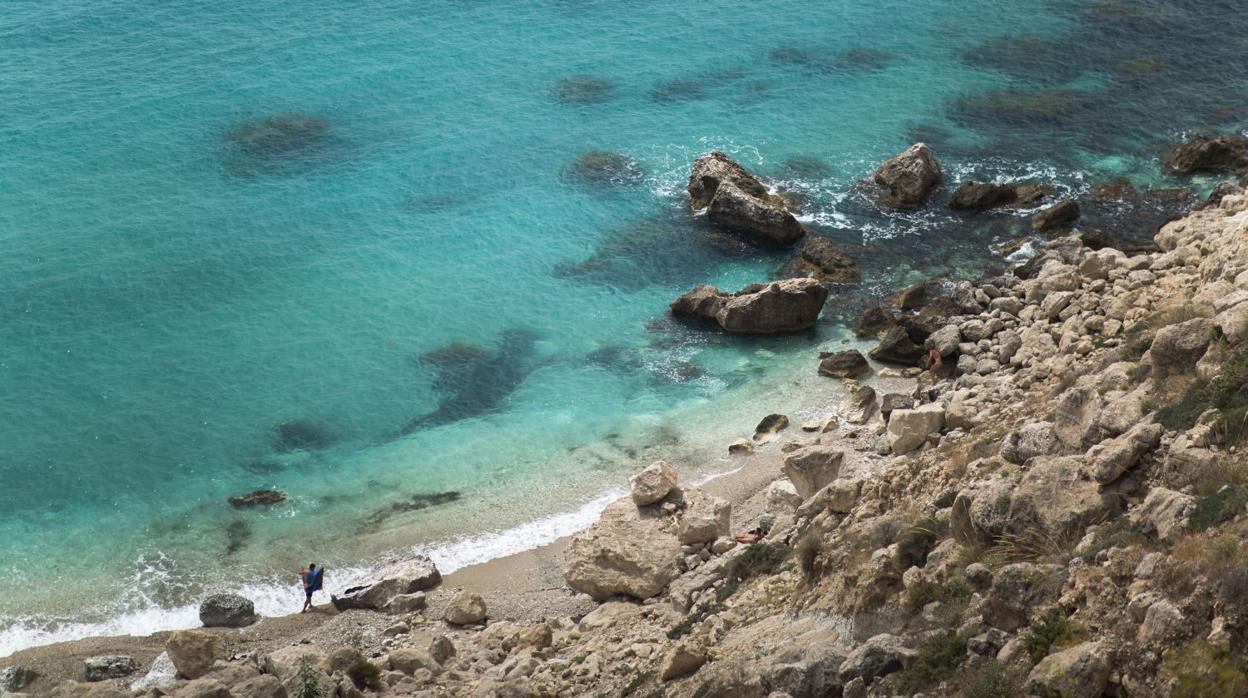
[169, 293]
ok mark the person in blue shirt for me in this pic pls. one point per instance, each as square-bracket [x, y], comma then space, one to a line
[313, 578]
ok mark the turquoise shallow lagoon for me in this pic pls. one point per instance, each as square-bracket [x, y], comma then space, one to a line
[172, 293]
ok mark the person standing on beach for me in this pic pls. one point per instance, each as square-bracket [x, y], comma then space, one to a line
[313, 578]
[934, 363]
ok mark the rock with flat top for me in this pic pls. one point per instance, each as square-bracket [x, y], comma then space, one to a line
[226, 611]
[810, 469]
[843, 364]
[706, 517]
[909, 429]
[681, 660]
[859, 405]
[1059, 215]
[789, 305]
[1081, 671]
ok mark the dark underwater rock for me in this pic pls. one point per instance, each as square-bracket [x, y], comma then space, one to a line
[737, 200]
[906, 179]
[415, 502]
[1059, 215]
[973, 195]
[602, 168]
[680, 90]
[863, 59]
[301, 435]
[279, 136]
[257, 498]
[237, 535]
[1223, 154]
[480, 384]
[582, 89]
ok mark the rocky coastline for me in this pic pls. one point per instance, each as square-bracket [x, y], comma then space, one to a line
[1058, 509]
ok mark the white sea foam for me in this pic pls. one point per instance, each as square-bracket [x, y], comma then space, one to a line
[277, 597]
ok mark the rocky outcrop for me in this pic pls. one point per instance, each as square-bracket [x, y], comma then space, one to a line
[906, 179]
[1177, 348]
[1081, 671]
[896, 347]
[790, 305]
[877, 657]
[1028, 441]
[193, 652]
[705, 518]
[1056, 499]
[1059, 215]
[465, 608]
[1018, 590]
[909, 429]
[820, 259]
[629, 551]
[973, 195]
[735, 199]
[1164, 512]
[843, 364]
[1223, 154]
[653, 483]
[1108, 460]
[417, 574]
[812, 468]
[227, 611]
[110, 666]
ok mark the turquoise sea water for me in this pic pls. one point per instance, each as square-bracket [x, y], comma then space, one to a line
[170, 295]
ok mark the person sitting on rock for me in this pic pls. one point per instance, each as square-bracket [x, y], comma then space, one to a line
[759, 532]
[313, 578]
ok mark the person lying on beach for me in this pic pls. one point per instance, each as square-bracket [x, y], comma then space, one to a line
[752, 536]
[313, 578]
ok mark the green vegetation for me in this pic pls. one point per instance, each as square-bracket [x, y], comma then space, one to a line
[916, 542]
[638, 681]
[365, 674]
[994, 680]
[306, 683]
[1219, 506]
[954, 592]
[1201, 671]
[696, 616]
[758, 559]
[1227, 393]
[1053, 629]
[939, 657]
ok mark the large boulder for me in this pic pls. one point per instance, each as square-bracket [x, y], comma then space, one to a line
[204, 688]
[1164, 512]
[877, 657]
[859, 405]
[973, 195]
[1076, 418]
[628, 551]
[1059, 215]
[908, 429]
[1081, 671]
[706, 517]
[810, 469]
[465, 608]
[226, 611]
[193, 652]
[820, 259]
[408, 577]
[681, 660]
[843, 364]
[1055, 499]
[735, 199]
[652, 483]
[1224, 154]
[981, 511]
[1028, 441]
[906, 179]
[1176, 348]
[262, 686]
[1108, 460]
[789, 305]
[1018, 590]
[896, 347]
[109, 666]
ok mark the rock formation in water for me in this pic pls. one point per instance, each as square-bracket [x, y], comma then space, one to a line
[737, 200]
[906, 179]
[790, 305]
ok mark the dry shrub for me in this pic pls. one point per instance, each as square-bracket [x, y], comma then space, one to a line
[1195, 556]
